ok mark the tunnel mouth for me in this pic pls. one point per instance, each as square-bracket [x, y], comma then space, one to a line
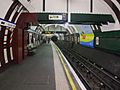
[54, 38]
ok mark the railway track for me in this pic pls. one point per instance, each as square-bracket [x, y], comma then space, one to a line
[94, 77]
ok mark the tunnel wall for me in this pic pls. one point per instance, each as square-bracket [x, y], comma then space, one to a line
[109, 41]
[10, 10]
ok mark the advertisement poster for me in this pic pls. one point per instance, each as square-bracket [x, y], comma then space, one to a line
[87, 36]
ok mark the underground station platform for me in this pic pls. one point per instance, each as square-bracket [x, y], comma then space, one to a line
[46, 70]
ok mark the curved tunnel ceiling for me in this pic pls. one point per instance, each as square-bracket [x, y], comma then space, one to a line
[61, 25]
[111, 4]
[72, 5]
[114, 8]
[70, 28]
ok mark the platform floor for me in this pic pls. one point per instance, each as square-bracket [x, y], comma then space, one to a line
[43, 71]
[60, 77]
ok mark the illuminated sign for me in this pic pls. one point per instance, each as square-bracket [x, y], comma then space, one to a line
[7, 23]
[55, 17]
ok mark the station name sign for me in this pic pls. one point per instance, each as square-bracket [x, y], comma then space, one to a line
[7, 23]
[55, 17]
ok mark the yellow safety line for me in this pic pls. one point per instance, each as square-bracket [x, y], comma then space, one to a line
[66, 71]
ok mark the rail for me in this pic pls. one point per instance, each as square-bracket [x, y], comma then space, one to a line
[97, 78]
